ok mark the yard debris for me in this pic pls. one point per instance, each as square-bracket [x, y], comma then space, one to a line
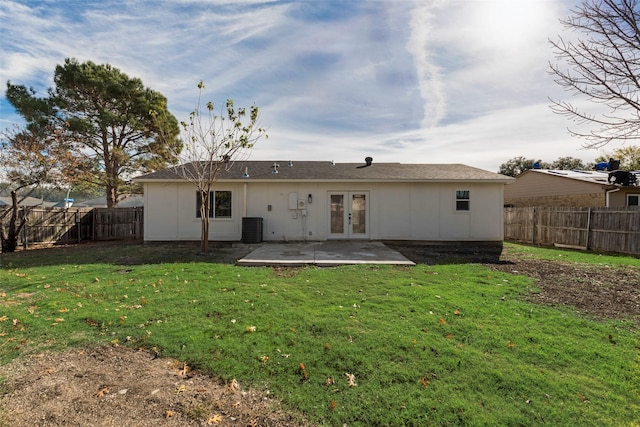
[351, 379]
[100, 393]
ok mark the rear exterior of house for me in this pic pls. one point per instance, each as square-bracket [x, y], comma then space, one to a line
[323, 201]
[559, 188]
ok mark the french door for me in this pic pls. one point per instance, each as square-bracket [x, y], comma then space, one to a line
[348, 215]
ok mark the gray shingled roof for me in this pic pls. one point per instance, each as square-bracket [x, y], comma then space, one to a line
[327, 171]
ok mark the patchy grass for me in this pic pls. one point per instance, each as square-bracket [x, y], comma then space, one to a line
[573, 256]
[359, 345]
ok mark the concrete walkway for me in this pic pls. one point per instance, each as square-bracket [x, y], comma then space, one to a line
[329, 253]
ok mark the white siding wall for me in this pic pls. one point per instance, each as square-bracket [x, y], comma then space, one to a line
[397, 211]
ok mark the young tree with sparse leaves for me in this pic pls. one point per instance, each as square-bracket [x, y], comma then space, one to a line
[603, 67]
[107, 113]
[30, 158]
[212, 144]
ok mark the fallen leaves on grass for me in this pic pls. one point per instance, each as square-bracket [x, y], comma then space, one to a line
[584, 399]
[351, 379]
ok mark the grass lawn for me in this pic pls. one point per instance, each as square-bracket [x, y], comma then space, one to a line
[454, 344]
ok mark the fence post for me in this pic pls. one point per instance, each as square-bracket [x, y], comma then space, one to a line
[533, 225]
[79, 225]
[23, 217]
[586, 244]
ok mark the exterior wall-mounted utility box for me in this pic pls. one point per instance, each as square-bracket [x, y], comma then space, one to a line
[293, 201]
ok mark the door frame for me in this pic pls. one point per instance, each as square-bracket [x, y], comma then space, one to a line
[347, 215]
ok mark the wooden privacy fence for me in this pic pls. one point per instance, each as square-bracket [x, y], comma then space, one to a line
[598, 229]
[59, 225]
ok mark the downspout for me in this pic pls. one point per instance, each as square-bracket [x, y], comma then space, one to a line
[608, 192]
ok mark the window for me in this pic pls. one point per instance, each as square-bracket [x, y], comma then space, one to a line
[219, 204]
[633, 199]
[462, 200]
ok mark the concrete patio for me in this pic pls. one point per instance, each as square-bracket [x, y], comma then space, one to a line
[328, 253]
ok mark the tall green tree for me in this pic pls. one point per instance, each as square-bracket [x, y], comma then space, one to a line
[602, 66]
[108, 114]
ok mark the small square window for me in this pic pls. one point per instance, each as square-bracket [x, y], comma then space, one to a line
[462, 200]
[633, 199]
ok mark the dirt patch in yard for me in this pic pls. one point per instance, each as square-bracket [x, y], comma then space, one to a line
[601, 291]
[110, 386]
[118, 386]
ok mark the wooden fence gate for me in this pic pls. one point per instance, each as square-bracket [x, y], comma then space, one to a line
[598, 229]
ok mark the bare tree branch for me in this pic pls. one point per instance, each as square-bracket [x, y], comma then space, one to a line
[604, 68]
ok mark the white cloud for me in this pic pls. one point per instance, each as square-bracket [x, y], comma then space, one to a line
[424, 81]
[429, 73]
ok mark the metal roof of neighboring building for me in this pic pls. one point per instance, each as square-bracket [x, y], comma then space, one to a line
[593, 177]
[329, 171]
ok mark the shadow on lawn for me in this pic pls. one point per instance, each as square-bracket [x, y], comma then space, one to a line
[438, 253]
[139, 253]
[126, 253]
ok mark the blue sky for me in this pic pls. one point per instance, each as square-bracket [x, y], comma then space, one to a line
[430, 81]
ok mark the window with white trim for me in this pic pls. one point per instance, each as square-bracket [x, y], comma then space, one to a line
[219, 204]
[463, 201]
[633, 199]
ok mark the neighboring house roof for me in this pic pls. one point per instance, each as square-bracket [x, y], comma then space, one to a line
[124, 201]
[27, 201]
[592, 177]
[329, 171]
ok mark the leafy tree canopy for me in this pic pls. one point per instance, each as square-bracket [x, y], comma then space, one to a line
[628, 156]
[107, 115]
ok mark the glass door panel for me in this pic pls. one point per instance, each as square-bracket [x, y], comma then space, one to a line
[358, 214]
[337, 214]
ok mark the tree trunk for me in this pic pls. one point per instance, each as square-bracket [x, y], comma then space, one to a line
[204, 242]
[10, 239]
[204, 216]
[112, 194]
